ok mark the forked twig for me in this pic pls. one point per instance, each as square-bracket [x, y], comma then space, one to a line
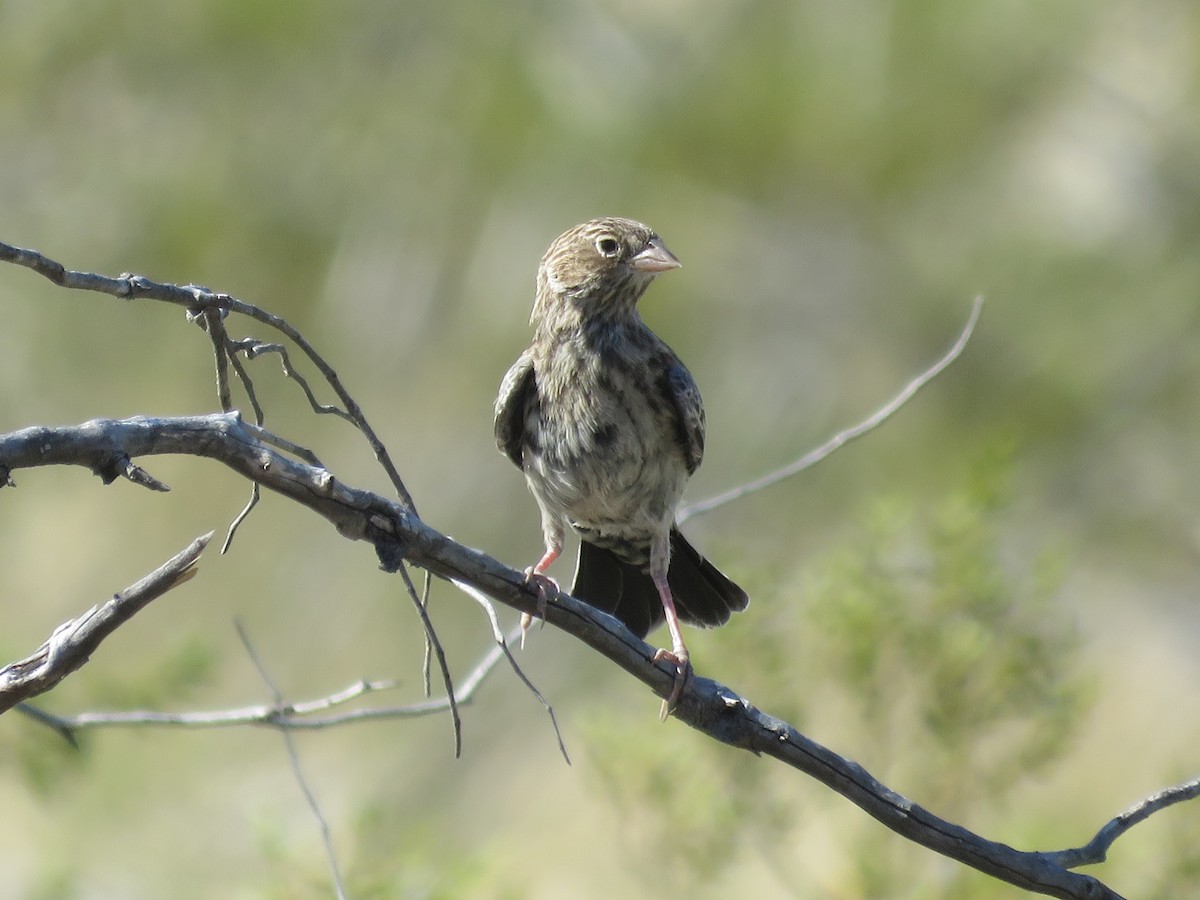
[400, 537]
[253, 348]
[195, 299]
[305, 715]
[502, 642]
[433, 641]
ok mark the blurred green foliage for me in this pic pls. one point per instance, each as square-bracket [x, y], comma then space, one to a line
[946, 665]
[1007, 636]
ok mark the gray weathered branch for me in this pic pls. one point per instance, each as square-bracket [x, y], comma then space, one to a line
[398, 535]
[1096, 850]
[73, 642]
[199, 300]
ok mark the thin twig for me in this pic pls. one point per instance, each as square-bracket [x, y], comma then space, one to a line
[222, 349]
[212, 322]
[260, 414]
[501, 642]
[253, 347]
[275, 440]
[872, 422]
[51, 721]
[427, 655]
[432, 638]
[255, 495]
[294, 760]
[299, 716]
[196, 298]
[398, 535]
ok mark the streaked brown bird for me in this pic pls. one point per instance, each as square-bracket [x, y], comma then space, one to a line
[607, 425]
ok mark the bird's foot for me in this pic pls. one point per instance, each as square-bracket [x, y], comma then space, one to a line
[683, 669]
[545, 587]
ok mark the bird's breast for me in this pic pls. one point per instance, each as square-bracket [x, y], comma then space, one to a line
[602, 445]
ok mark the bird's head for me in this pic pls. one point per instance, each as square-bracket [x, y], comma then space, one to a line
[599, 269]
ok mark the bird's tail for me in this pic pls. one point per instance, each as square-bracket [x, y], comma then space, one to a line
[703, 595]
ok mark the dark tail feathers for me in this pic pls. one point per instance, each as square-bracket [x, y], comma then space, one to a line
[703, 595]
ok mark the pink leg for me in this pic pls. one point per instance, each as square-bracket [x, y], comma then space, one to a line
[678, 654]
[544, 584]
[544, 563]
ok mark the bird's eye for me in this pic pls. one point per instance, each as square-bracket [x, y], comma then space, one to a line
[608, 246]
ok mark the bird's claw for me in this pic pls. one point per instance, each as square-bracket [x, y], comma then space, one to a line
[545, 587]
[683, 669]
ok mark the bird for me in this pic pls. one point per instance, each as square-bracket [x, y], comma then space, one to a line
[607, 425]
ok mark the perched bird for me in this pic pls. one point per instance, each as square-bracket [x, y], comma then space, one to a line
[608, 425]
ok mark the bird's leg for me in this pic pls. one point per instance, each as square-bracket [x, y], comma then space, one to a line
[678, 654]
[542, 583]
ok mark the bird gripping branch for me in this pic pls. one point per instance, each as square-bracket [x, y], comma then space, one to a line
[607, 424]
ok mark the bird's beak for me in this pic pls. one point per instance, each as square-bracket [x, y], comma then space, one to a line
[655, 258]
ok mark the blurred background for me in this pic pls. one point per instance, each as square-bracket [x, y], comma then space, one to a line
[991, 602]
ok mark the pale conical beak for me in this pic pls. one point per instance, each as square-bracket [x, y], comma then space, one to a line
[655, 258]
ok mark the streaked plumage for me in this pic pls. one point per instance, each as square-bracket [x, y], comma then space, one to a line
[607, 425]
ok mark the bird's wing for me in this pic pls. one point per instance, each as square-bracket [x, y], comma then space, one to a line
[511, 404]
[679, 385]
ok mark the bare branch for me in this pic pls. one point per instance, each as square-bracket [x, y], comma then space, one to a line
[1096, 850]
[212, 321]
[400, 536]
[873, 421]
[253, 348]
[427, 656]
[195, 299]
[140, 476]
[255, 494]
[502, 643]
[431, 640]
[275, 440]
[298, 716]
[73, 642]
[260, 415]
[225, 437]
